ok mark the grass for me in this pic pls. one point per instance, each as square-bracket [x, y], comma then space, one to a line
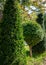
[35, 60]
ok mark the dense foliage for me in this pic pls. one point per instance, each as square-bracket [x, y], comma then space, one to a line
[40, 47]
[45, 21]
[33, 33]
[40, 18]
[12, 50]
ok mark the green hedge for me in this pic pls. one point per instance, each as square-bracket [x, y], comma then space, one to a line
[12, 50]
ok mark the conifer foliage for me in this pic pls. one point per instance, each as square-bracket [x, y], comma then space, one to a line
[12, 50]
[33, 34]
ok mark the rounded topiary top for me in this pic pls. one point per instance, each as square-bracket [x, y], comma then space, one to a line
[33, 33]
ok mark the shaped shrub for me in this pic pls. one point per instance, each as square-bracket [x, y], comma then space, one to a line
[33, 34]
[12, 50]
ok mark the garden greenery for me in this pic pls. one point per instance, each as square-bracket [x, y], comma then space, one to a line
[33, 33]
[12, 50]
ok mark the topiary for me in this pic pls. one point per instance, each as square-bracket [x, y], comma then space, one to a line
[12, 50]
[33, 34]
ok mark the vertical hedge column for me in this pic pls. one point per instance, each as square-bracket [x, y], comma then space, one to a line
[11, 46]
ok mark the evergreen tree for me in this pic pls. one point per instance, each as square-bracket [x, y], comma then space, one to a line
[33, 34]
[12, 50]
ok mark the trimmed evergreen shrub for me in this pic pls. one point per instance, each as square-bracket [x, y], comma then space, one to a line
[12, 50]
[33, 33]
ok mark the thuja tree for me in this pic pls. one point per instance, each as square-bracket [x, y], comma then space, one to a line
[12, 50]
[33, 34]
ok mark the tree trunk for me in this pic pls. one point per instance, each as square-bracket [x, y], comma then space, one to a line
[30, 47]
